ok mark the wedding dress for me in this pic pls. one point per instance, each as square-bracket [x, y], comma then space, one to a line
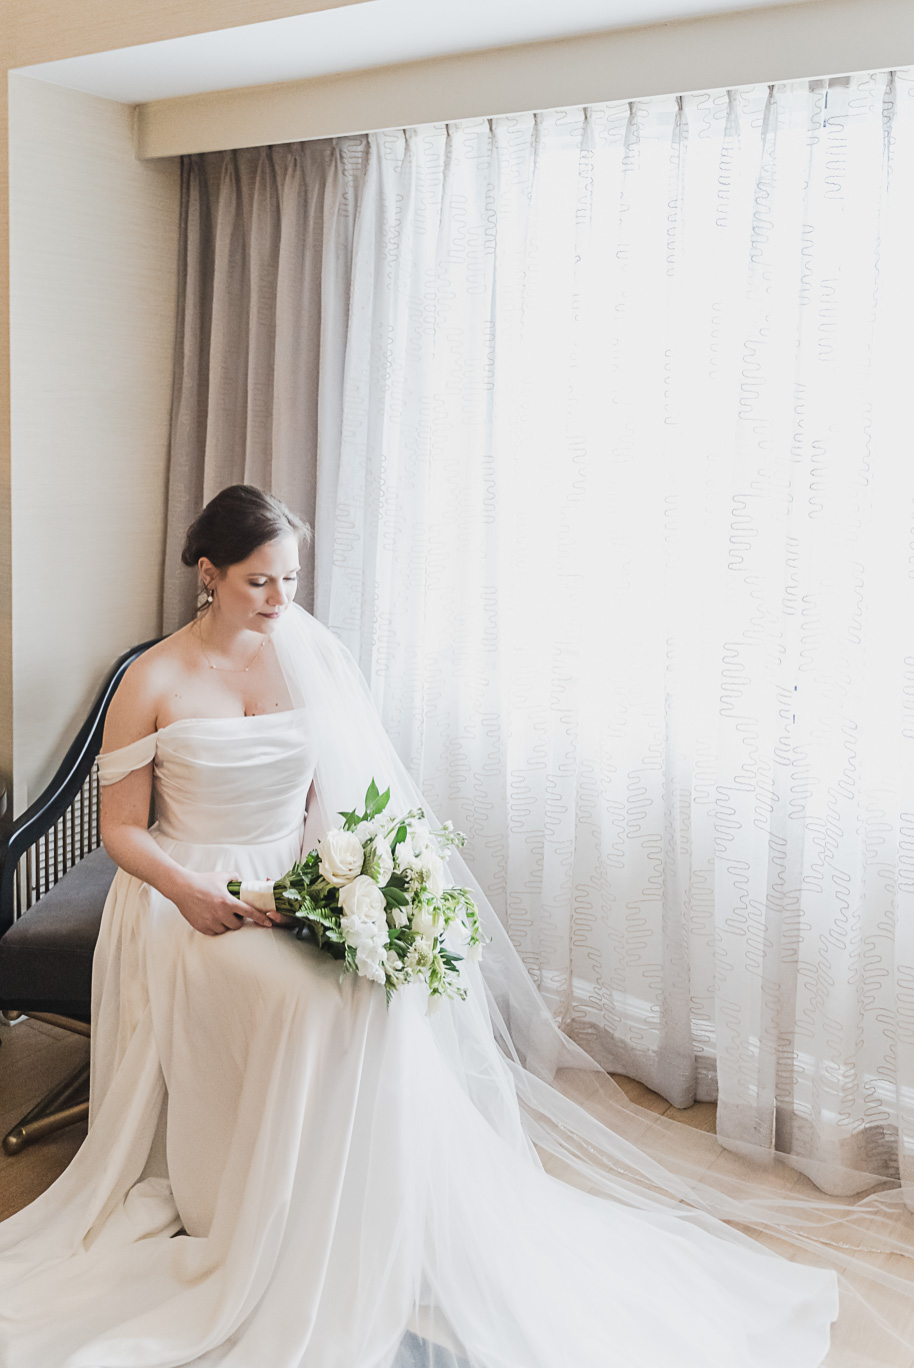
[282, 1171]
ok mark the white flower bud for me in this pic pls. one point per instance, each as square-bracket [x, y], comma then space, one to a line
[434, 873]
[423, 923]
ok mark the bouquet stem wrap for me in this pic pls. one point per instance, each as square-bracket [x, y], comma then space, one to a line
[256, 893]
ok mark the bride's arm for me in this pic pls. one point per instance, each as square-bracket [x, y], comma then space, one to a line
[201, 898]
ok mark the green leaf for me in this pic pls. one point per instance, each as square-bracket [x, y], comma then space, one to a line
[378, 804]
[394, 897]
[399, 837]
[371, 795]
[324, 918]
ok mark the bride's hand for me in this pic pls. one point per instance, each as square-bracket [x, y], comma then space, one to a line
[282, 919]
[209, 907]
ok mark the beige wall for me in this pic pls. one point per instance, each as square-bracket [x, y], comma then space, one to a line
[817, 38]
[110, 428]
[93, 253]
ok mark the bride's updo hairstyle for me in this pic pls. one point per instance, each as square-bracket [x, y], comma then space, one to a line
[234, 523]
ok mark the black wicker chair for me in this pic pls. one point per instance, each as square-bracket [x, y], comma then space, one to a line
[54, 877]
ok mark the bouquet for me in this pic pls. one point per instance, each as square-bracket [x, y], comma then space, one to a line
[374, 895]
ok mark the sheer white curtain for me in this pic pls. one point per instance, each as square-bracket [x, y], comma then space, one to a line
[615, 505]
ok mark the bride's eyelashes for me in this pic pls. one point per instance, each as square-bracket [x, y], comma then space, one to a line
[260, 584]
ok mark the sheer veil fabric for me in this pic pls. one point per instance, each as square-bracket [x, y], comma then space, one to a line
[579, 1120]
[344, 1173]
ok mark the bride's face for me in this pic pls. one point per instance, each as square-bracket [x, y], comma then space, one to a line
[254, 593]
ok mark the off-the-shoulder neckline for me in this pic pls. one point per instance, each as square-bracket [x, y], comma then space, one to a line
[179, 721]
[235, 717]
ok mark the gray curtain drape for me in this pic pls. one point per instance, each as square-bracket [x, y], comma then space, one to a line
[265, 263]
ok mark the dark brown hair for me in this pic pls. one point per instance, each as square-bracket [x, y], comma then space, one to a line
[238, 520]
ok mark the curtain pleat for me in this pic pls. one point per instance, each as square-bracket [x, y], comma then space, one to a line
[190, 389]
[266, 246]
[601, 419]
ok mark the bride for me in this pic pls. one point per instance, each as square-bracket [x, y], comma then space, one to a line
[279, 1170]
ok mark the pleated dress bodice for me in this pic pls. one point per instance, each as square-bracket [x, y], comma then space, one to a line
[232, 780]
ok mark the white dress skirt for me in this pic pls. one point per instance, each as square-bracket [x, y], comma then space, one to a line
[281, 1172]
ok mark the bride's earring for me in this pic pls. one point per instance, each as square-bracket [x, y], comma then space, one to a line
[209, 594]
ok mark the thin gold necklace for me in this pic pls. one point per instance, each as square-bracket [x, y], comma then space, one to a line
[232, 669]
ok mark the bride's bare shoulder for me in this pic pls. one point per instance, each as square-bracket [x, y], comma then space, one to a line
[134, 709]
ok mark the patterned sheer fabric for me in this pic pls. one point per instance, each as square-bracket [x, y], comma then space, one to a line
[602, 416]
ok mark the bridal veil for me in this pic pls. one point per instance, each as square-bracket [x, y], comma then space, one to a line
[540, 1089]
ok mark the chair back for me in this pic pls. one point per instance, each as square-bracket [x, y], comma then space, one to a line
[62, 825]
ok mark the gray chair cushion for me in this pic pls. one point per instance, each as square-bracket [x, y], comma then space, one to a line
[46, 956]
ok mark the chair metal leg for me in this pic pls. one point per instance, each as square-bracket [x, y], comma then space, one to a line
[55, 1019]
[52, 1113]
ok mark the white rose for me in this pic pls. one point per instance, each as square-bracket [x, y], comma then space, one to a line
[434, 873]
[341, 857]
[362, 899]
[379, 863]
[366, 830]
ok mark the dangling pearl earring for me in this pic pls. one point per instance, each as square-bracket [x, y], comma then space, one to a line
[209, 596]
